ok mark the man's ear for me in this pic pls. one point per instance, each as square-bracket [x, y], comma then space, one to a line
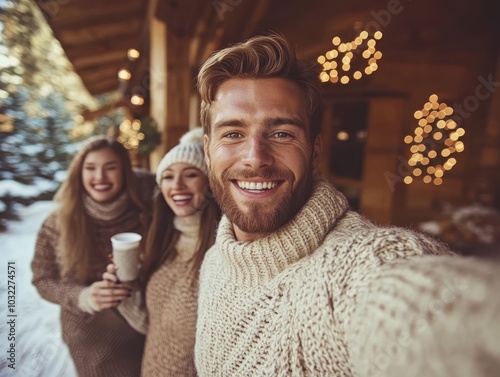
[206, 142]
[317, 152]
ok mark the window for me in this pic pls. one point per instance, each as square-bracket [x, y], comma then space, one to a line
[349, 135]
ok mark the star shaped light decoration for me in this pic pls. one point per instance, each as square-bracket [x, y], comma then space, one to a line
[350, 60]
[433, 143]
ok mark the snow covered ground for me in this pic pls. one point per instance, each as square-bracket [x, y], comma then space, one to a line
[39, 349]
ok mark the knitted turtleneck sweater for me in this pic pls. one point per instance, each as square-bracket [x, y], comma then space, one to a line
[282, 305]
[171, 300]
[430, 316]
[103, 343]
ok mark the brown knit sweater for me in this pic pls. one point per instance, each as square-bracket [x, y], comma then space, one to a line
[101, 344]
[171, 299]
[283, 305]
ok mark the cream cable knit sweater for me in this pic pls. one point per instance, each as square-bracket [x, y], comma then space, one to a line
[282, 305]
[429, 316]
[171, 299]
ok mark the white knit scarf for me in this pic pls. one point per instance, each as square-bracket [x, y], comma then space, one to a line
[189, 228]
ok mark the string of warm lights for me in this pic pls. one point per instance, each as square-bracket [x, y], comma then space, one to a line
[435, 140]
[125, 75]
[130, 134]
[340, 64]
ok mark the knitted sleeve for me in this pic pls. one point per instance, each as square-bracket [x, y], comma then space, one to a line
[364, 252]
[135, 313]
[46, 273]
[428, 316]
[386, 244]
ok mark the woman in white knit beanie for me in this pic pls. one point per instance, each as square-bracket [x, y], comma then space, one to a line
[183, 228]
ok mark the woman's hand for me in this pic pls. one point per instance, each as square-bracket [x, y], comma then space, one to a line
[110, 275]
[109, 292]
[106, 294]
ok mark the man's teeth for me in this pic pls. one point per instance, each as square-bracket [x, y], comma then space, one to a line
[257, 185]
[181, 197]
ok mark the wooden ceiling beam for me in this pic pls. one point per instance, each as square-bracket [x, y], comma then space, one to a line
[102, 77]
[100, 34]
[89, 49]
[94, 35]
[103, 86]
[80, 10]
[91, 60]
[98, 72]
[98, 21]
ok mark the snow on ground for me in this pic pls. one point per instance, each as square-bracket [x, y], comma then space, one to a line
[13, 188]
[40, 351]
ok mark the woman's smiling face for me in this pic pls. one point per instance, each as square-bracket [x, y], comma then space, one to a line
[102, 175]
[183, 187]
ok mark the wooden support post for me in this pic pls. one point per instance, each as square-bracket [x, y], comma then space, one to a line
[385, 126]
[171, 86]
[158, 83]
[179, 88]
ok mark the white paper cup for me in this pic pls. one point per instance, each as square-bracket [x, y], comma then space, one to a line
[126, 252]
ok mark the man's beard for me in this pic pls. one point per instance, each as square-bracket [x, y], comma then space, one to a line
[256, 219]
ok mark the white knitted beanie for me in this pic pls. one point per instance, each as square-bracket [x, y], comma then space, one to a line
[189, 150]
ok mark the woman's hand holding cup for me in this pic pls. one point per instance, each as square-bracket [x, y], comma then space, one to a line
[109, 292]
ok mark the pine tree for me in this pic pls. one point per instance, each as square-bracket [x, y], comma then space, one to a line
[57, 125]
[19, 27]
[39, 97]
[12, 137]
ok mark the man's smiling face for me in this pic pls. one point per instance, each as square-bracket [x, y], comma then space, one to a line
[259, 153]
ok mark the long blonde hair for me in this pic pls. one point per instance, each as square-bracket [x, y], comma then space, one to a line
[75, 246]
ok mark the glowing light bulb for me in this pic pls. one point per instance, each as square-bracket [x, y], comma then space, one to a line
[133, 54]
[124, 74]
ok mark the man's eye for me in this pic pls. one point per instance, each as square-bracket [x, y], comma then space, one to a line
[281, 135]
[232, 135]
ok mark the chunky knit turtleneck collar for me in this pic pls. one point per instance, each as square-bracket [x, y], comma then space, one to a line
[106, 211]
[252, 263]
[189, 227]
